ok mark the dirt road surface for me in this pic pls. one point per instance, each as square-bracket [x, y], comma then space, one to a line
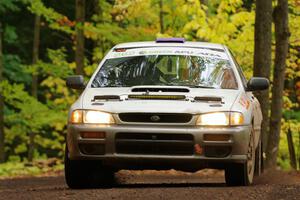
[206, 184]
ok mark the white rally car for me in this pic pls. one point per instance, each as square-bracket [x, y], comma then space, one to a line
[168, 104]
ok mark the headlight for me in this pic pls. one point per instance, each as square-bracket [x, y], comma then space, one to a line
[220, 119]
[97, 117]
[91, 117]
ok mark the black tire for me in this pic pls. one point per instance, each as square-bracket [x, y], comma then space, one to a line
[241, 174]
[236, 175]
[259, 160]
[262, 157]
[81, 174]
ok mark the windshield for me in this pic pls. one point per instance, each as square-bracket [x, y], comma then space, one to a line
[166, 70]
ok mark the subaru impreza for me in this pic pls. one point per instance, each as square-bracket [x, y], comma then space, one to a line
[166, 104]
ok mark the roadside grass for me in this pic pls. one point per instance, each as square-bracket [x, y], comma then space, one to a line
[22, 169]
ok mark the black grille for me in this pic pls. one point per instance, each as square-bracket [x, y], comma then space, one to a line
[156, 117]
[154, 144]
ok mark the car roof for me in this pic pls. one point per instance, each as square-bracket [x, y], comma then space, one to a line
[205, 45]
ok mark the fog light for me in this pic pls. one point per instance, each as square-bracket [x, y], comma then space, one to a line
[92, 149]
[216, 137]
[217, 152]
[100, 135]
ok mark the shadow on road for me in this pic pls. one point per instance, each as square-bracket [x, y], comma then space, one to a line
[168, 185]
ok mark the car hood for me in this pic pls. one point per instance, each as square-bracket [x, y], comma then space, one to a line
[188, 105]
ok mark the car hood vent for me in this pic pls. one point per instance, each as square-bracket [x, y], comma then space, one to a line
[208, 99]
[106, 98]
[159, 89]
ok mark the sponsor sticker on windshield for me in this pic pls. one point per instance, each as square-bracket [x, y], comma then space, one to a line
[169, 51]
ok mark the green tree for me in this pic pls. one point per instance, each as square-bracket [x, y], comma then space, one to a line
[5, 5]
[2, 152]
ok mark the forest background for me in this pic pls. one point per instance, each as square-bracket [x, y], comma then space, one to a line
[44, 41]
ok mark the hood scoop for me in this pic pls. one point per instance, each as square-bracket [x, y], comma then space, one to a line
[209, 99]
[106, 98]
[156, 97]
[159, 89]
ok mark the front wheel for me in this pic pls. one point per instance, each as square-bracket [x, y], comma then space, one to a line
[241, 174]
[86, 173]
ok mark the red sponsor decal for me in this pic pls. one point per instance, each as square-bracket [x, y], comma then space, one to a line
[244, 102]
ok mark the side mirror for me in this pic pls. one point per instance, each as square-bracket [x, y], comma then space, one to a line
[257, 83]
[75, 82]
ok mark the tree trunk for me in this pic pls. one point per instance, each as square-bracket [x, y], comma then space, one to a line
[282, 39]
[2, 152]
[34, 84]
[291, 146]
[262, 56]
[161, 16]
[79, 54]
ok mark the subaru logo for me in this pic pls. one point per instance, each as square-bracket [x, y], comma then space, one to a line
[155, 118]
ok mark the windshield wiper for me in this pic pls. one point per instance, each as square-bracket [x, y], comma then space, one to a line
[190, 86]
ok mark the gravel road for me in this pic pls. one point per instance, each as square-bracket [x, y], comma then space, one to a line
[206, 184]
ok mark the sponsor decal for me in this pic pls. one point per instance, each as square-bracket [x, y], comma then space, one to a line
[123, 54]
[167, 51]
[244, 102]
[154, 52]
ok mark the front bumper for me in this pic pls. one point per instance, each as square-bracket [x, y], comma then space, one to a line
[237, 144]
